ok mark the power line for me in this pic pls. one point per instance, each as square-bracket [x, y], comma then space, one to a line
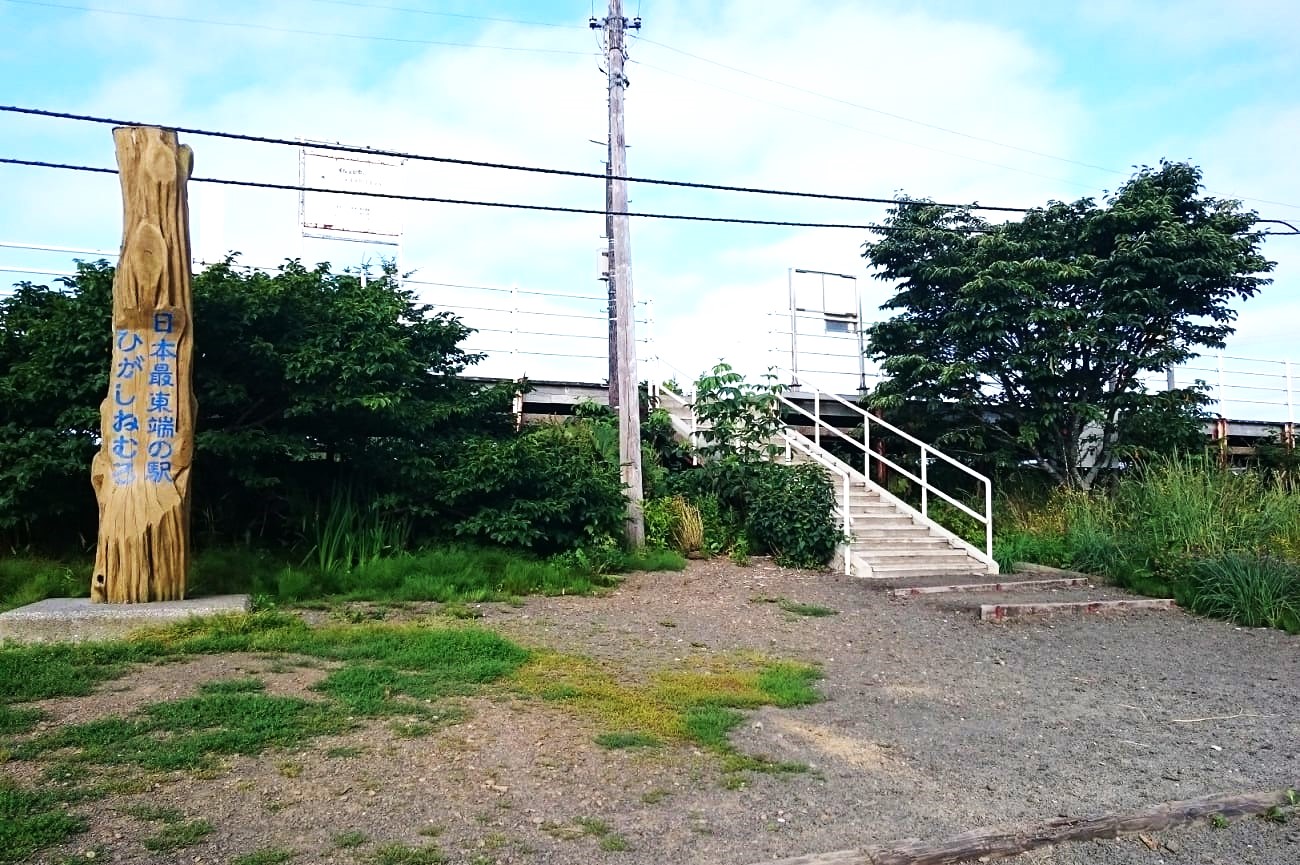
[448, 160]
[550, 208]
[293, 30]
[461, 15]
[294, 187]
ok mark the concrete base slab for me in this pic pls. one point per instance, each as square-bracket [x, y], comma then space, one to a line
[1009, 586]
[76, 619]
[1001, 612]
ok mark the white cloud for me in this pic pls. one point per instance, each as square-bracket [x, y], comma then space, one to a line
[714, 286]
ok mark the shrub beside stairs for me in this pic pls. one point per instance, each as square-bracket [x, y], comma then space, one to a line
[909, 555]
[888, 539]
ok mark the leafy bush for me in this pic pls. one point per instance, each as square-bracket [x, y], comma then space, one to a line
[547, 490]
[738, 419]
[660, 522]
[306, 379]
[790, 515]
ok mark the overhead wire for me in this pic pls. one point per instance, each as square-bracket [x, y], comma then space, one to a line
[439, 14]
[478, 163]
[549, 208]
[244, 25]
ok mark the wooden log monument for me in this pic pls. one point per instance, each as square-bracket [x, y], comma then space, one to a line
[141, 473]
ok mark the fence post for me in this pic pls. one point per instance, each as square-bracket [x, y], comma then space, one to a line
[1290, 399]
[988, 518]
[1219, 392]
[141, 474]
[514, 330]
[925, 484]
[866, 446]
[817, 416]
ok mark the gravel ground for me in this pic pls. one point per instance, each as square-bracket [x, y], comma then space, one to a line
[934, 723]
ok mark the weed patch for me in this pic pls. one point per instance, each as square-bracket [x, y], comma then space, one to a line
[31, 820]
[1225, 544]
[400, 854]
[178, 836]
[698, 704]
[19, 720]
[626, 739]
[350, 840]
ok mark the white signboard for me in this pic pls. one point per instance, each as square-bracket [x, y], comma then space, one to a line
[352, 217]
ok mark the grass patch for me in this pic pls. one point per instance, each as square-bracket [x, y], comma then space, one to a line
[265, 856]
[700, 703]
[177, 836]
[1254, 591]
[401, 854]
[456, 610]
[232, 686]
[31, 820]
[152, 813]
[805, 609]
[28, 580]
[654, 797]
[344, 752]
[627, 739]
[191, 733]
[333, 574]
[387, 671]
[350, 840]
[20, 720]
[614, 843]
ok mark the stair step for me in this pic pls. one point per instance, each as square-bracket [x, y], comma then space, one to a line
[1007, 586]
[911, 554]
[893, 571]
[1002, 612]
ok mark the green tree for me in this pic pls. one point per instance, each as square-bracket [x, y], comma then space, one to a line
[1031, 337]
[307, 380]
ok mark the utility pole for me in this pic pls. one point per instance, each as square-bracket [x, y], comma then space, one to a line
[629, 401]
[612, 285]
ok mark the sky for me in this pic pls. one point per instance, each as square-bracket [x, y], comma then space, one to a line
[1006, 102]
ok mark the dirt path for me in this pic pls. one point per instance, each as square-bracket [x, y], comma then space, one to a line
[933, 723]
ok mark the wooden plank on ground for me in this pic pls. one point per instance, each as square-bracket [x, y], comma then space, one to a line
[1048, 571]
[905, 591]
[983, 845]
[1000, 612]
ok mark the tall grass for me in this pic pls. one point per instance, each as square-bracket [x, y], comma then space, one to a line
[1224, 543]
[27, 580]
[350, 534]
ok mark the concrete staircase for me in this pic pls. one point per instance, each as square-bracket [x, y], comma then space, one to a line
[888, 539]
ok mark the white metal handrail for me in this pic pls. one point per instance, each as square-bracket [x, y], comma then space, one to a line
[927, 452]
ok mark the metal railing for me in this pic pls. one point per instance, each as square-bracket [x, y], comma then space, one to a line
[1240, 386]
[560, 333]
[926, 454]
